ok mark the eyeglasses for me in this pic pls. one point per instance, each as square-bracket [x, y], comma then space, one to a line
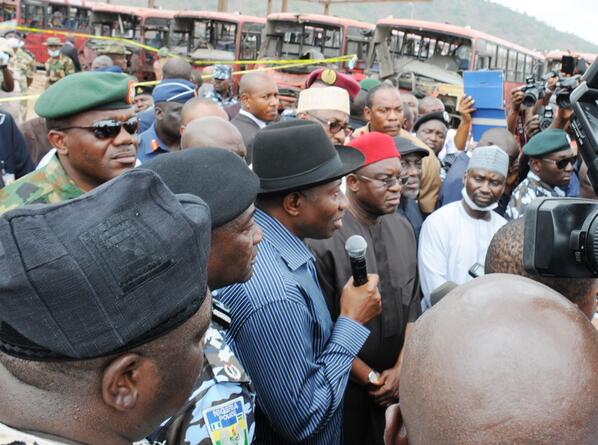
[563, 163]
[109, 128]
[334, 126]
[389, 181]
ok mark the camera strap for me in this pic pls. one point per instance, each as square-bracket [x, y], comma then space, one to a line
[521, 129]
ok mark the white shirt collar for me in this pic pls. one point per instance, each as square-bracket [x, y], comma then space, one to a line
[259, 122]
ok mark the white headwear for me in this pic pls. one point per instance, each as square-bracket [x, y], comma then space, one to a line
[329, 98]
[491, 158]
[14, 43]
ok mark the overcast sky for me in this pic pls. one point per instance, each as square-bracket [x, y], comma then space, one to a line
[576, 16]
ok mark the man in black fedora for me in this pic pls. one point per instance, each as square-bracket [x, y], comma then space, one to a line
[298, 359]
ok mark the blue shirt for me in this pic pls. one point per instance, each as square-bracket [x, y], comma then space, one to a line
[150, 145]
[298, 360]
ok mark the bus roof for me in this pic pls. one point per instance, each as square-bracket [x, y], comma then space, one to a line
[317, 18]
[222, 16]
[459, 31]
[130, 10]
[557, 54]
[75, 3]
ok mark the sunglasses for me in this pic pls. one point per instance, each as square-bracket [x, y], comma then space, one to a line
[563, 163]
[334, 126]
[109, 128]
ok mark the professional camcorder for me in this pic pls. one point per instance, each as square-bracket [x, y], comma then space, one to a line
[561, 234]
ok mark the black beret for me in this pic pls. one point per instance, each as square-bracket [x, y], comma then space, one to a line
[102, 273]
[441, 116]
[218, 176]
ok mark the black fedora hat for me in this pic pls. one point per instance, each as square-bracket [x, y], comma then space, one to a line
[297, 154]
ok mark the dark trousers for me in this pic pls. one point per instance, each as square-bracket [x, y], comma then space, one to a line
[363, 420]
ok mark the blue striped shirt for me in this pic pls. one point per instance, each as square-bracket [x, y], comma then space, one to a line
[298, 360]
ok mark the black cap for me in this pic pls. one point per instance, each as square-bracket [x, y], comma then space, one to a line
[407, 147]
[216, 175]
[297, 154]
[102, 273]
[441, 116]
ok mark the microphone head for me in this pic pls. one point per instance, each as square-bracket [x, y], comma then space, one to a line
[356, 246]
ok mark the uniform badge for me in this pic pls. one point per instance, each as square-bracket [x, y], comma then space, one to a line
[328, 76]
[227, 423]
[131, 92]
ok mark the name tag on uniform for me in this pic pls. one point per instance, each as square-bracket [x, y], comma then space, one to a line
[227, 423]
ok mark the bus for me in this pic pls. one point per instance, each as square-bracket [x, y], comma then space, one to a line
[429, 58]
[59, 15]
[210, 35]
[554, 58]
[312, 36]
[8, 11]
[147, 26]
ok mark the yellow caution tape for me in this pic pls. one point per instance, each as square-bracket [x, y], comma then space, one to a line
[155, 82]
[129, 42]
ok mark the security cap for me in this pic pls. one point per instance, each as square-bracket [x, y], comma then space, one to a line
[94, 91]
[174, 90]
[546, 142]
[103, 273]
[441, 116]
[222, 72]
[218, 176]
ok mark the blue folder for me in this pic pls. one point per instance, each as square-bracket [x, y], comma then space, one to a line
[486, 88]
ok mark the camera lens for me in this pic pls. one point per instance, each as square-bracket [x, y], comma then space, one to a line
[591, 242]
[531, 97]
[563, 99]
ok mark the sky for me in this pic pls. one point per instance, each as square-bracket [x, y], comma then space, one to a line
[579, 17]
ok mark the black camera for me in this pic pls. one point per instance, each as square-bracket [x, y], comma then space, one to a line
[564, 88]
[533, 91]
[561, 237]
[561, 234]
[546, 118]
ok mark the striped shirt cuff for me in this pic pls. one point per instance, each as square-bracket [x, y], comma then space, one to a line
[349, 334]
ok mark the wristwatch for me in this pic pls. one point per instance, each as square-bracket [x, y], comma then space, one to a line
[373, 377]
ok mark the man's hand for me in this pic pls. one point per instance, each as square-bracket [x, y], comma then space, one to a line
[466, 107]
[532, 127]
[388, 393]
[516, 100]
[361, 303]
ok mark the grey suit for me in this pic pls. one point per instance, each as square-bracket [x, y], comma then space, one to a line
[248, 129]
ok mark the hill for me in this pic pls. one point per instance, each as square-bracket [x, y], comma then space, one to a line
[483, 15]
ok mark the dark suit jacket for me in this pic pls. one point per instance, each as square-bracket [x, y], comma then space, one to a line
[71, 52]
[248, 129]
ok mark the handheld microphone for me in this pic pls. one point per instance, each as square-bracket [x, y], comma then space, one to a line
[356, 247]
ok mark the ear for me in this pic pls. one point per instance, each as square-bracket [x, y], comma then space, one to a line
[367, 113]
[534, 164]
[464, 177]
[395, 432]
[291, 203]
[124, 379]
[58, 140]
[159, 113]
[182, 129]
[352, 182]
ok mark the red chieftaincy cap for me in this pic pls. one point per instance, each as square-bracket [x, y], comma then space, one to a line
[334, 79]
[375, 147]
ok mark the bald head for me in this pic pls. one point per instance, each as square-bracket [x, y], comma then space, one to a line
[199, 107]
[501, 359]
[254, 81]
[430, 104]
[505, 255]
[177, 68]
[502, 138]
[213, 132]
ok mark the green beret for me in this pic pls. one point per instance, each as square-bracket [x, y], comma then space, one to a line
[369, 83]
[85, 91]
[546, 142]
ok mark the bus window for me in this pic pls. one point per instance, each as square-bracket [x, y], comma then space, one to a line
[520, 67]
[201, 34]
[251, 40]
[332, 42]
[32, 14]
[224, 36]
[463, 55]
[529, 68]
[511, 65]
[501, 59]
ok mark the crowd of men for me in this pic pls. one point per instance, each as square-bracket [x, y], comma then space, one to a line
[173, 267]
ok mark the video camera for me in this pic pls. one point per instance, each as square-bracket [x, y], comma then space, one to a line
[561, 234]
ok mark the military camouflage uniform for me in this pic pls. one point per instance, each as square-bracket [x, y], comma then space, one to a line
[58, 67]
[10, 436]
[530, 188]
[47, 185]
[223, 396]
[22, 66]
